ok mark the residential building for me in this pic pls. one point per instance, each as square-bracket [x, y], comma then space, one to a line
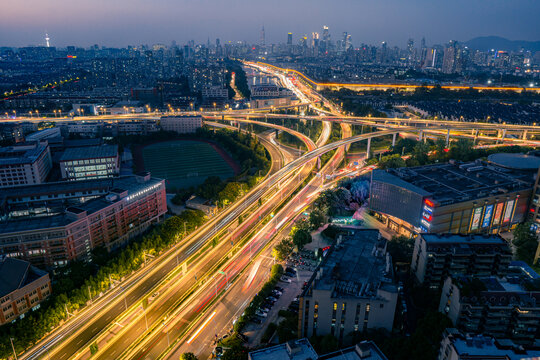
[11, 132]
[93, 162]
[22, 288]
[28, 163]
[365, 350]
[456, 346]
[218, 93]
[437, 256]
[132, 205]
[458, 198]
[136, 127]
[85, 129]
[351, 290]
[505, 308]
[181, 124]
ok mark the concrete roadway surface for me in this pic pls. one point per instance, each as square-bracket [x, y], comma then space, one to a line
[188, 309]
[92, 320]
[131, 333]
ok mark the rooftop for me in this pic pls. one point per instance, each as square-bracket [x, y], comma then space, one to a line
[357, 266]
[497, 291]
[292, 350]
[485, 346]
[448, 183]
[90, 152]
[131, 184]
[515, 161]
[459, 239]
[15, 273]
[366, 350]
[26, 153]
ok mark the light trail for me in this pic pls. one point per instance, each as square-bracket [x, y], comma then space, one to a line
[194, 336]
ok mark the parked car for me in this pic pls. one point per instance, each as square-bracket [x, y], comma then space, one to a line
[285, 279]
[261, 313]
[153, 296]
[278, 288]
[257, 320]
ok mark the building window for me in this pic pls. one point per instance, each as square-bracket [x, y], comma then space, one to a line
[306, 317]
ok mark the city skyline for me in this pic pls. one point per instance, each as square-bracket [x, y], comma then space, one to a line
[121, 24]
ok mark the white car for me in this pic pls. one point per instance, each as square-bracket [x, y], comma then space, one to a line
[261, 314]
[153, 296]
[285, 279]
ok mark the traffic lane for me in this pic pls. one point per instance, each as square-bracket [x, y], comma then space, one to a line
[227, 309]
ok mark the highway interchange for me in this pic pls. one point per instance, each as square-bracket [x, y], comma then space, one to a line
[196, 281]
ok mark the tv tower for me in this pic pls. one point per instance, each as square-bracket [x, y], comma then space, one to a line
[47, 38]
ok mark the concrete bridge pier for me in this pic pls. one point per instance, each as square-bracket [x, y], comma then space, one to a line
[421, 135]
[368, 148]
[447, 138]
[394, 135]
[524, 136]
[475, 133]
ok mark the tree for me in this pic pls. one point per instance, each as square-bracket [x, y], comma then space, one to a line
[328, 344]
[282, 250]
[401, 248]
[188, 356]
[526, 242]
[316, 218]
[93, 348]
[301, 238]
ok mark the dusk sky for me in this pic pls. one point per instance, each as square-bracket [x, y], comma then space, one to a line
[132, 22]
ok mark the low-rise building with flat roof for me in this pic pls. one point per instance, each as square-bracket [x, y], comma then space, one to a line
[352, 290]
[291, 350]
[92, 162]
[28, 163]
[181, 124]
[22, 287]
[437, 256]
[457, 346]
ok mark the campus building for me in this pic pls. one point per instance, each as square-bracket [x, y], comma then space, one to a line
[504, 308]
[458, 198]
[131, 205]
[181, 124]
[93, 162]
[457, 346]
[437, 256]
[29, 163]
[352, 290]
[22, 288]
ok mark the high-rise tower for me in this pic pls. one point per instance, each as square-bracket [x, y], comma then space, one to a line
[263, 37]
[47, 40]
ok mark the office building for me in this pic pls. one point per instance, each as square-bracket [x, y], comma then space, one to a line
[12, 133]
[505, 308]
[92, 162]
[181, 124]
[136, 127]
[28, 163]
[217, 93]
[437, 256]
[22, 288]
[132, 205]
[454, 197]
[352, 290]
[457, 346]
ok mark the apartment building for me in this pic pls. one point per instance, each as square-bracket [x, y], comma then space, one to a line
[504, 308]
[437, 256]
[181, 124]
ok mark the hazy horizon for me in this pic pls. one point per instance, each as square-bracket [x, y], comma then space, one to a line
[135, 22]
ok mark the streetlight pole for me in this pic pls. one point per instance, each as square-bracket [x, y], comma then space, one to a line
[167, 332]
[13, 347]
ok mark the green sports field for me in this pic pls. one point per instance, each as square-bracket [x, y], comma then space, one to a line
[185, 163]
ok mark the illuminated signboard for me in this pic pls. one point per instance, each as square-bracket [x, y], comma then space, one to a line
[498, 213]
[508, 211]
[477, 213]
[487, 216]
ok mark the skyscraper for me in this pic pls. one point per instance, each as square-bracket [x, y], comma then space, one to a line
[263, 37]
[47, 40]
[289, 38]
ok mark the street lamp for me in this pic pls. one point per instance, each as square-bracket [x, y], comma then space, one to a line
[167, 332]
[13, 347]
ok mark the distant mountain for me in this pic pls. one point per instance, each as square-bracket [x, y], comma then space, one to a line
[485, 43]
